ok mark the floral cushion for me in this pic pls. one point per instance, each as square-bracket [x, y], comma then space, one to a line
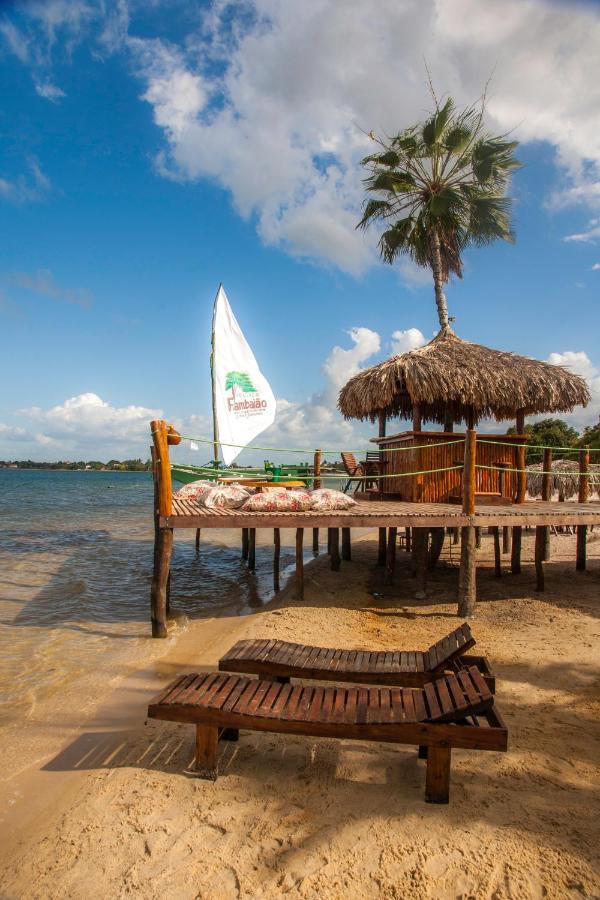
[278, 501]
[326, 499]
[225, 497]
[196, 490]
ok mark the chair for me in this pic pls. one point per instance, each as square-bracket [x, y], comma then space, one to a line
[454, 711]
[359, 472]
[281, 660]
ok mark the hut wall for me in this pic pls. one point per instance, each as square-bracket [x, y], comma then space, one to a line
[438, 486]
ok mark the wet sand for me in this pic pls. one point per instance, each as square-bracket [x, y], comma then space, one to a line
[117, 812]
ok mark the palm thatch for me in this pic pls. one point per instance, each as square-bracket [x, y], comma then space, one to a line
[565, 478]
[452, 380]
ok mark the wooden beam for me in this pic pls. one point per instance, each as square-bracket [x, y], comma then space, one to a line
[390, 556]
[584, 496]
[299, 564]
[276, 558]
[346, 545]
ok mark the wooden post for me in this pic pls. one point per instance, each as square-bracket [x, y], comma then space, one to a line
[244, 543]
[437, 775]
[346, 545]
[329, 541]
[160, 577]
[276, 558]
[467, 578]
[317, 470]
[382, 540]
[456, 535]
[198, 538]
[506, 539]
[335, 549]
[390, 557]
[252, 549]
[584, 496]
[299, 564]
[478, 538]
[417, 421]
[380, 481]
[420, 541]
[408, 533]
[540, 545]
[547, 495]
[515, 557]
[521, 474]
[497, 557]
[316, 541]
[207, 746]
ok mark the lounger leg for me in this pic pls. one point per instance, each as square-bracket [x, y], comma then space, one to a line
[423, 752]
[437, 776]
[207, 742]
[229, 734]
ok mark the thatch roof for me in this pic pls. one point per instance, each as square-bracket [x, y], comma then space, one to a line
[565, 478]
[452, 378]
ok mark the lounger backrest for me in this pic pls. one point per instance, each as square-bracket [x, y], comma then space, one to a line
[455, 697]
[350, 464]
[454, 644]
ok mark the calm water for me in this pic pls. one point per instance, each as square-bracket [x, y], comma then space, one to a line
[75, 570]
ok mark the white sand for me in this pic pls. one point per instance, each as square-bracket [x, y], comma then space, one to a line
[118, 814]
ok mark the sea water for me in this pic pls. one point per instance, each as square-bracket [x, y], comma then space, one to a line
[75, 570]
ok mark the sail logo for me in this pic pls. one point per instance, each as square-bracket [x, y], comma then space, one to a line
[240, 383]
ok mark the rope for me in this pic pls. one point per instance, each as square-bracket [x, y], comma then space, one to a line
[323, 475]
[535, 471]
[185, 437]
[539, 446]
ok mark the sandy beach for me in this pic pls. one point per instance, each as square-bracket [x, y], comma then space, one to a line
[118, 812]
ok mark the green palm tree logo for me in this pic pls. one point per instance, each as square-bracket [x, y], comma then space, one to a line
[241, 380]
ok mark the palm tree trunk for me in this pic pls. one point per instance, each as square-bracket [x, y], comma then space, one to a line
[438, 281]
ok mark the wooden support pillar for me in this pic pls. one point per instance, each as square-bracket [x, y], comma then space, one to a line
[381, 545]
[317, 470]
[252, 549]
[478, 538]
[547, 488]
[346, 545]
[497, 557]
[456, 535]
[408, 535]
[390, 556]
[276, 558]
[420, 542]
[506, 539]
[584, 496]
[437, 776]
[299, 564]
[160, 577]
[198, 538]
[540, 545]
[329, 541]
[520, 459]
[380, 481]
[515, 557]
[315, 541]
[417, 421]
[207, 748]
[335, 549]
[467, 578]
[244, 543]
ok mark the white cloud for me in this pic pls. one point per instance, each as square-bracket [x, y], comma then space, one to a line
[596, 267]
[12, 433]
[26, 188]
[43, 282]
[15, 40]
[403, 341]
[342, 364]
[578, 361]
[276, 96]
[49, 91]
[589, 236]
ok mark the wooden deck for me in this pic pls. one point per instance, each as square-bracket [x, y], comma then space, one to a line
[386, 514]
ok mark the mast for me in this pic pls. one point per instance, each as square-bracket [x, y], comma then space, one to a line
[212, 378]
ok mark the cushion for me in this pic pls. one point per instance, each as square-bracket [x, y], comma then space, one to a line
[225, 497]
[326, 499]
[278, 501]
[196, 490]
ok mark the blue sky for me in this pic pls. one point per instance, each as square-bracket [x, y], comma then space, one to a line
[151, 150]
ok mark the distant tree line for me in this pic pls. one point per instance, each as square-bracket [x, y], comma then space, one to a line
[557, 433]
[113, 465]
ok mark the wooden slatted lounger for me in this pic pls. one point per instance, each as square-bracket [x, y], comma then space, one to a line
[453, 711]
[282, 660]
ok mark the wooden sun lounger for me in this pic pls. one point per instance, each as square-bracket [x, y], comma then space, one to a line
[453, 711]
[282, 660]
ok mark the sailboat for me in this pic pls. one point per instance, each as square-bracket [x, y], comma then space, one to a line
[243, 404]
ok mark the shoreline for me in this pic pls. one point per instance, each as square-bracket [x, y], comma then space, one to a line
[118, 807]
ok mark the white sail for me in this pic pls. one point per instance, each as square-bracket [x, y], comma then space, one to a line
[244, 404]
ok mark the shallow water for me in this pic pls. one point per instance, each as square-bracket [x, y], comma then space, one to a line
[75, 571]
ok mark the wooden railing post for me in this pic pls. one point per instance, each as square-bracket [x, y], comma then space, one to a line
[317, 470]
[584, 496]
[467, 586]
[161, 440]
[547, 491]
[162, 436]
[521, 449]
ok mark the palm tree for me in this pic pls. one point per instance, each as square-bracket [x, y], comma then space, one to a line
[439, 188]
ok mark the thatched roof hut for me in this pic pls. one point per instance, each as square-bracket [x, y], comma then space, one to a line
[451, 380]
[565, 478]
